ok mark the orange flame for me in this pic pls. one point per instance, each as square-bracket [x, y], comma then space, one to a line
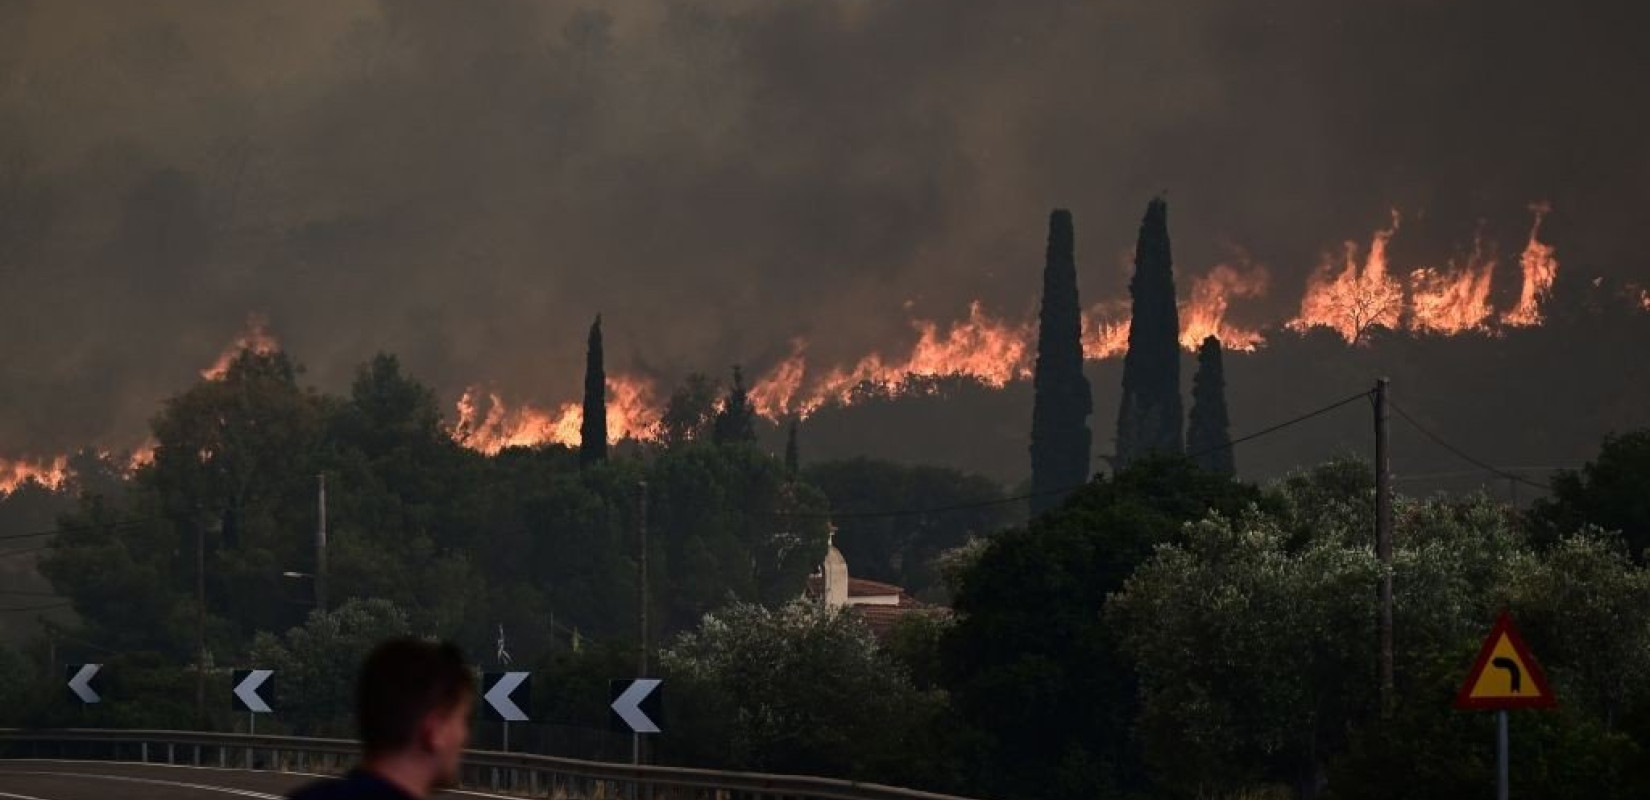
[1352, 298]
[1106, 330]
[1540, 270]
[1455, 301]
[992, 350]
[487, 424]
[256, 338]
[1204, 315]
[49, 473]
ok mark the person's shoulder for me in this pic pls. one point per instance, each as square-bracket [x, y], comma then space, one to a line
[355, 786]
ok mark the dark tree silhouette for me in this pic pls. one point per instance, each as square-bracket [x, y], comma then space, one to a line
[736, 421]
[593, 431]
[1060, 437]
[1208, 438]
[793, 457]
[1149, 415]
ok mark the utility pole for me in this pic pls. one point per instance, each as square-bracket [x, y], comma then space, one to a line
[1383, 537]
[321, 545]
[200, 625]
[641, 602]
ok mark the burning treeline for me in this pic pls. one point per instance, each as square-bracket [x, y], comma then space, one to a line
[1354, 289]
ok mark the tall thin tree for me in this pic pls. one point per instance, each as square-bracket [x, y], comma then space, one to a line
[736, 421]
[1150, 416]
[793, 457]
[593, 430]
[1208, 435]
[1060, 437]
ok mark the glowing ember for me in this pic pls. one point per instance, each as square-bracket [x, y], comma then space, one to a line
[1456, 300]
[256, 338]
[1351, 298]
[1540, 270]
[49, 473]
[1204, 315]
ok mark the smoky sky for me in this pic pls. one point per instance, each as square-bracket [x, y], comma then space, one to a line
[467, 184]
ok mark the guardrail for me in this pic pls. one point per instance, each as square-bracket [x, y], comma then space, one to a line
[524, 774]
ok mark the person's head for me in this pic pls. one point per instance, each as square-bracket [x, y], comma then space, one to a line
[413, 703]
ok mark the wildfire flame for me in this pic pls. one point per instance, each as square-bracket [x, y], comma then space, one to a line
[256, 338]
[488, 424]
[1351, 298]
[1540, 270]
[1454, 301]
[1204, 315]
[1351, 292]
[50, 473]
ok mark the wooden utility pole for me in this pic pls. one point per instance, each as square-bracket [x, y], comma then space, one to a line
[641, 602]
[1383, 537]
[200, 625]
[321, 545]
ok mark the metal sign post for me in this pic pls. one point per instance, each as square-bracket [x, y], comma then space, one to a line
[1505, 676]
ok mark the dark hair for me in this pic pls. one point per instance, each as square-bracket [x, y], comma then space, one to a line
[402, 682]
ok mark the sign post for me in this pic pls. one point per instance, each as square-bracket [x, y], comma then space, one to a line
[504, 694]
[1504, 677]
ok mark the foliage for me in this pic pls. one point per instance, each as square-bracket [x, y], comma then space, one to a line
[735, 421]
[1149, 414]
[1208, 440]
[797, 688]
[317, 663]
[1611, 492]
[1029, 645]
[1060, 437]
[690, 412]
[593, 426]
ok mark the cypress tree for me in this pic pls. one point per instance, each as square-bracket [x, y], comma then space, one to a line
[1060, 437]
[593, 430]
[1149, 417]
[793, 458]
[736, 422]
[1207, 436]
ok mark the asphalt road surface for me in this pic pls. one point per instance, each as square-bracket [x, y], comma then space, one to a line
[96, 780]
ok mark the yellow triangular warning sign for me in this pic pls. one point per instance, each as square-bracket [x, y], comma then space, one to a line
[1505, 675]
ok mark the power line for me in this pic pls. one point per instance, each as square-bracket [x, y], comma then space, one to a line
[27, 593]
[1459, 453]
[1028, 495]
[47, 607]
[78, 528]
[26, 550]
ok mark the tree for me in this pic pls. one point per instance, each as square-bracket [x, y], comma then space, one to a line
[1149, 415]
[593, 429]
[736, 421]
[1030, 645]
[1060, 438]
[795, 689]
[1207, 438]
[690, 412]
[1611, 492]
[318, 662]
[793, 457]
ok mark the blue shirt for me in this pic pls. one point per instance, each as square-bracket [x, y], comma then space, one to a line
[357, 785]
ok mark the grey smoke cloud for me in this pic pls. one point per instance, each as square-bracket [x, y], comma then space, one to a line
[466, 184]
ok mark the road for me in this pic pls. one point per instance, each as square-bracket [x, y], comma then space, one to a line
[95, 780]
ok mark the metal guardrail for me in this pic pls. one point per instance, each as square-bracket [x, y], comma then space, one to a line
[524, 774]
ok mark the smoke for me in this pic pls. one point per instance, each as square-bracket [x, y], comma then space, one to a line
[467, 184]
